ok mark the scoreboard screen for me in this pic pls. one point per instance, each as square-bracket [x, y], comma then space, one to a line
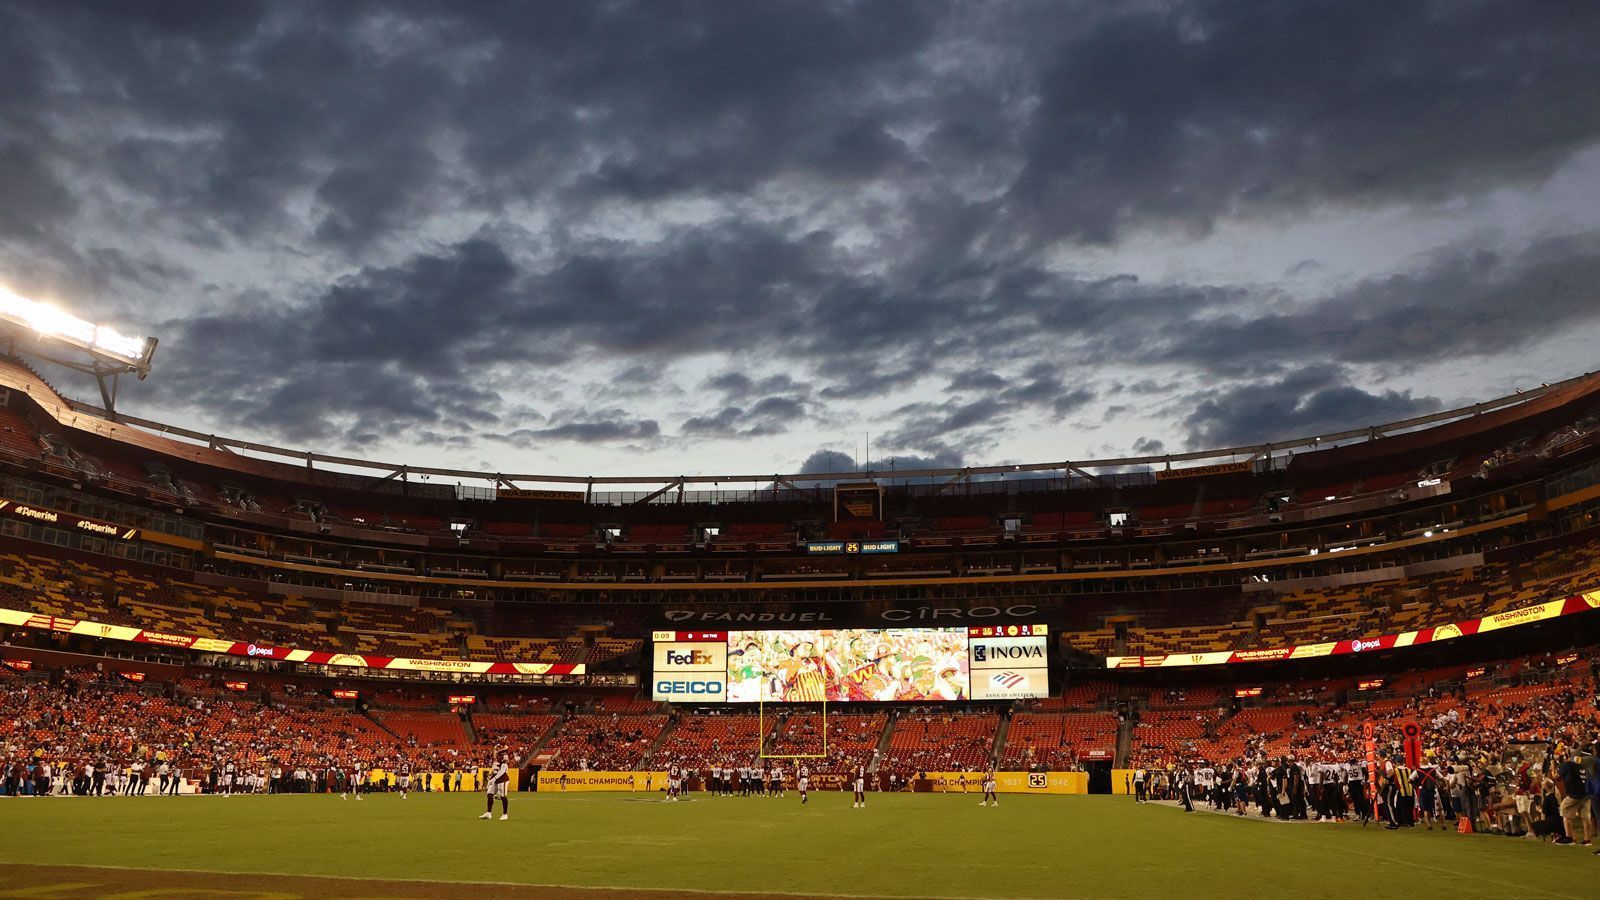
[843, 665]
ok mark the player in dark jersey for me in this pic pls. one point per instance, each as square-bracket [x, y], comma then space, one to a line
[405, 780]
[497, 785]
[860, 779]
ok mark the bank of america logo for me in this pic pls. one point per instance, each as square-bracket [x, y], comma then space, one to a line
[1008, 680]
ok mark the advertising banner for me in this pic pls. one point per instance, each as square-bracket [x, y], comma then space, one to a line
[1012, 782]
[1010, 684]
[1228, 468]
[506, 493]
[1527, 615]
[694, 671]
[833, 548]
[558, 781]
[254, 650]
[1009, 653]
[1009, 662]
[676, 614]
[69, 521]
[689, 687]
[677, 657]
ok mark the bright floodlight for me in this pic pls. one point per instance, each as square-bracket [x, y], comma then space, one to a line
[101, 341]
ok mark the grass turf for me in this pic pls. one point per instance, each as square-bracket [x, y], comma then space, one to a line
[902, 845]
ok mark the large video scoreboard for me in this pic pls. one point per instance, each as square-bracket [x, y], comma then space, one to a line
[919, 665]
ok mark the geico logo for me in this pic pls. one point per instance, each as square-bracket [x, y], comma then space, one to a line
[700, 688]
[692, 658]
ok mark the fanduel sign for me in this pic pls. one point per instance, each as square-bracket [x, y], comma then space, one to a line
[853, 615]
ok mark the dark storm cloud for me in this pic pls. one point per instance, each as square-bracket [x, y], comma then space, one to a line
[1462, 302]
[1185, 112]
[824, 460]
[420, 208]
[738, 385]
[585, 427]
[1307, 401]
[770, 415]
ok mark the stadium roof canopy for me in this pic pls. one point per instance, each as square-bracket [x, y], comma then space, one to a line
[235, 453]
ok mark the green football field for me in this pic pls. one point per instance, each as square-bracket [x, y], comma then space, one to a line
[924, 845]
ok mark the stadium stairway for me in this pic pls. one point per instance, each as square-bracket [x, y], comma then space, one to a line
[883, 742]
[367, 713]
[1124, 742]
[661, 738]
[1000, 739]
[466, 725]
[779, 723]
[533, 752]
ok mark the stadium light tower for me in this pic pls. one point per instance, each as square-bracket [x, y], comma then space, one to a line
[75, 343]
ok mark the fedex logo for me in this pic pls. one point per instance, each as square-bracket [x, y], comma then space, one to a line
[691, 658]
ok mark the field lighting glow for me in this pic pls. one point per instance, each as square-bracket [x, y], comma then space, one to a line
[51, 322]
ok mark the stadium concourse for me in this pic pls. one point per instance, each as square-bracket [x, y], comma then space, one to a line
[1396, 627]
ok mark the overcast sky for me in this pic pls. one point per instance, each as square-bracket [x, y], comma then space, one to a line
[625, 238]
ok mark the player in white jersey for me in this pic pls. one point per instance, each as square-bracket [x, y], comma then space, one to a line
[860, 779]
[358, 780]
[405, 780]
[777, 780]
[988, 789]
[497, 785]
[803, 782]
